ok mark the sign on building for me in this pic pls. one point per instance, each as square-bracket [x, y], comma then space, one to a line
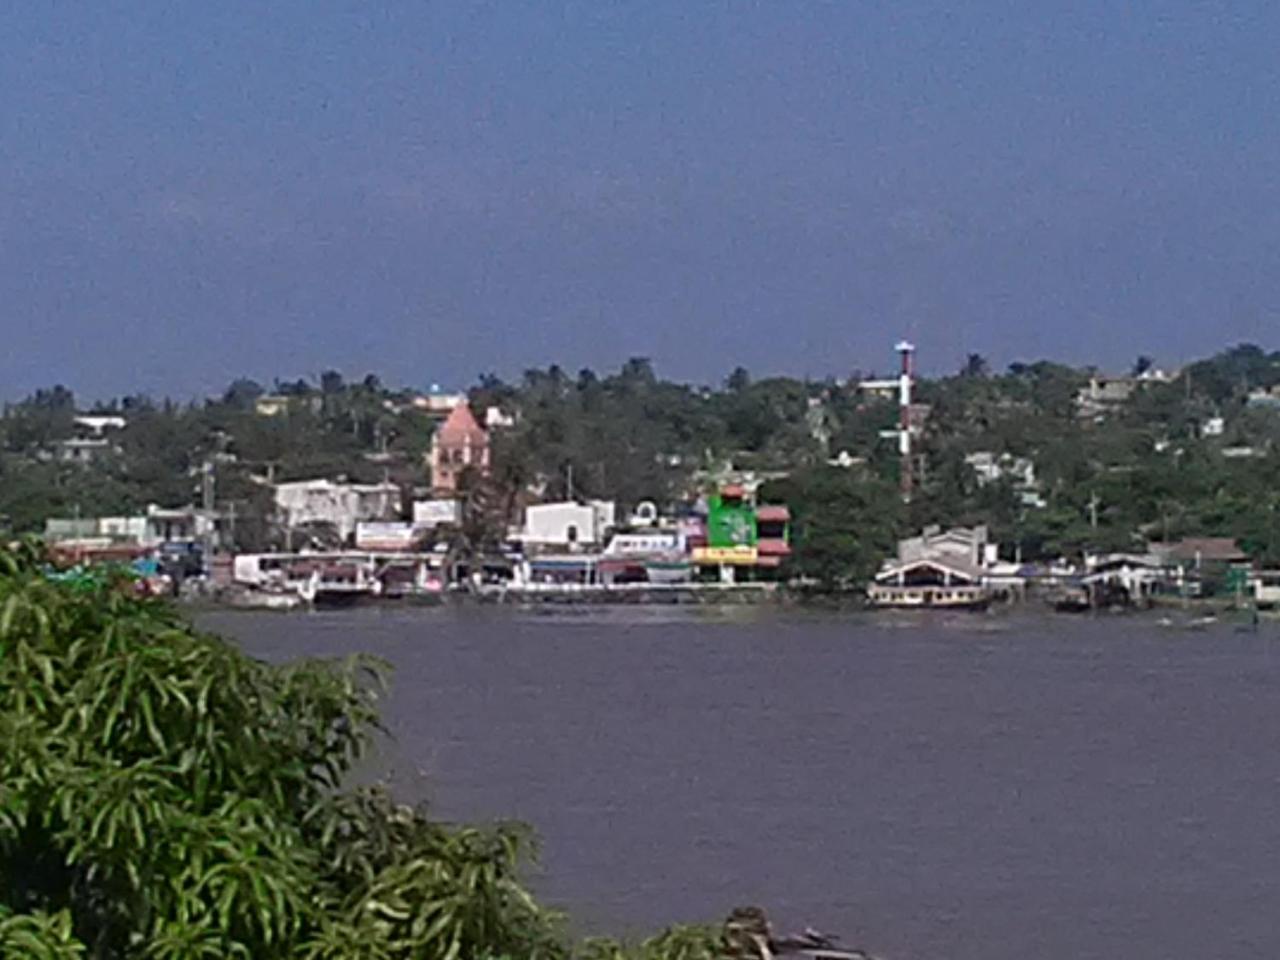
[730, 523]
[727, 556]
[386, 536]
[433, 513]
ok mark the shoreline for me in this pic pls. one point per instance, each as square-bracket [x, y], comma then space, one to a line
[1199, 610]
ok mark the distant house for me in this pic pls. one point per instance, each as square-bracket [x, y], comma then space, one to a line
[495, 418]
[1197, 552]
[83, 450]
[437, 404]
[989, 467]
[1104, 393]
[92, 440]
[1265, 399]
[342, 506]
[1197, 564]
[99, 425]
[1213, 427]
[157, 526]
[277, 405]
[458, 445]
[1020, 472]
[965, 545]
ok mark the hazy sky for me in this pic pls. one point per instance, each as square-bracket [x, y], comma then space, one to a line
[190, 192]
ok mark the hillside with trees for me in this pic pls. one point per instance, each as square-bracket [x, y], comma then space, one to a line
[1191, 453]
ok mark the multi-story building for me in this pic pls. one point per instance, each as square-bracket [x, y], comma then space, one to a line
[458, 445]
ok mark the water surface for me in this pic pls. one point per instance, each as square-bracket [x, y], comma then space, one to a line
[967, 788]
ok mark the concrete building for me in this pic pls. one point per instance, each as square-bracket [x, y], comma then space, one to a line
[158, 525]
[279, 405]
[1102, 394]
[458, 445]
[568, 524]
[99, 425]
[989, 467]
[340, 505]
[965, 545]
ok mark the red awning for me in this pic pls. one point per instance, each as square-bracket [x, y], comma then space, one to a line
[773, 514]
[772, 547]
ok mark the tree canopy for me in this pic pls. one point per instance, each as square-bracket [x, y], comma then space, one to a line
[165, 797]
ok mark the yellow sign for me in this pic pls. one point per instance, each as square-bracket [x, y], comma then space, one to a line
[743, 556]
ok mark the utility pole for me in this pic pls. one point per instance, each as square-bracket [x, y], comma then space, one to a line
[207, 500]
[1093, 510]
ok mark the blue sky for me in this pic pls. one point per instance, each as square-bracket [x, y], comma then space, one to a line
[191, 192]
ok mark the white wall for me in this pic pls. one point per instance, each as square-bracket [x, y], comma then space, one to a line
[552, 524]
[342, 505]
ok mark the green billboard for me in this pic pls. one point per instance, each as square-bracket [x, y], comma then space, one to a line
[730, 523]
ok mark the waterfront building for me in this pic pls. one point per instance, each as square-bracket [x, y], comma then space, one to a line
[741, 536]
[957, 567]
[567, 524]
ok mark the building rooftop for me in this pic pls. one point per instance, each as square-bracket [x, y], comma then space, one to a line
[460, 426]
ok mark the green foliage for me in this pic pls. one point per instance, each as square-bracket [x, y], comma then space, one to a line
[675, 943]
[163, 796]
[38, 936]
[844, 524]
[1143, 470]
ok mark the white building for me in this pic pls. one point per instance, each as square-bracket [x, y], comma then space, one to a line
[992, 468]
[97, 425]
[643, 543]
[1213, 427]
[968, 546]
[568, 524]
[495, 418]
[439, 404]
[157, 526]
[341, 505]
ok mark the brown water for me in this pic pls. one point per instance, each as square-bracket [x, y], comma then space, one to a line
[958, 788]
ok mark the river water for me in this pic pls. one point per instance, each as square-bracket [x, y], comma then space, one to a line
[959, 788]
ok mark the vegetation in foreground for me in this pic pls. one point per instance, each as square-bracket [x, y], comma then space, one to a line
[164, 796]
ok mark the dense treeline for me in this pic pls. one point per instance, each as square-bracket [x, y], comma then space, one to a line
[163, 796]
[1149, 469]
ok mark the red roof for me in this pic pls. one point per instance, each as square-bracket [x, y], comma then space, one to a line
[461, 425]
[773, 514]
[773, 547]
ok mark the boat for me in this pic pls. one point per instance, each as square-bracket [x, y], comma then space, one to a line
[929, 583]
[264, 600]
[671, 569]
[954, 597]
[340, 584]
